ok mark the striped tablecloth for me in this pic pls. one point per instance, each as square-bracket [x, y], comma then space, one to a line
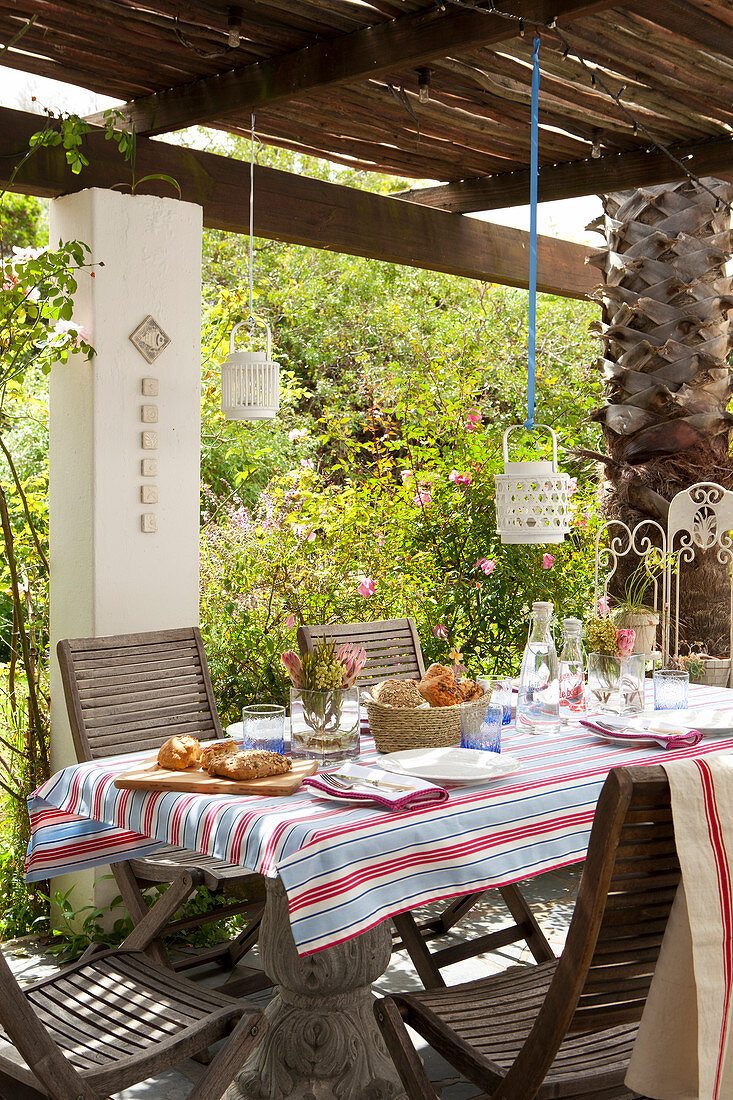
[347, 868]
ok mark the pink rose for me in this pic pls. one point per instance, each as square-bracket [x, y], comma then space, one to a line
[625, 642]
[440, 632]
[572, 486]
[423, 496]
[473, 420]
[366, 587]
[295, 435]
[604, 606]
[459, 479]
[547, 561]
[486, 565]
[406, 475]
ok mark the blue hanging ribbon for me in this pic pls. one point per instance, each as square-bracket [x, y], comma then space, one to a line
[533, 174]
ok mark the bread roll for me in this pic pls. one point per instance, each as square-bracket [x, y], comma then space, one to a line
[470, 690]
[249, 764]
[441, 691]
[438, 670]
[217, 748]
[398, 693]
[178, 753]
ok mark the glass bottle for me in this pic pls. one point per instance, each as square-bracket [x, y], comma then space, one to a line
[538, 703]
[573, 662]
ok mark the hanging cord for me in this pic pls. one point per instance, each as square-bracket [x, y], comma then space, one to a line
[251, 317]
[596, 81]
[533, 174]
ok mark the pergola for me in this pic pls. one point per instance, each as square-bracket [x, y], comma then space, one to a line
[341, 80]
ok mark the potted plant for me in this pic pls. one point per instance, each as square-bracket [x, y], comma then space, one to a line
[704, 669]
[635, 611]
[615, 672]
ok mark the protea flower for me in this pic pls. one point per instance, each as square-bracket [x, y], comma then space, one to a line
[625, 642]
[294, 667]
[353, 658]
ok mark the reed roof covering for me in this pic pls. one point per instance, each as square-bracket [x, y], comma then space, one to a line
[339, 79]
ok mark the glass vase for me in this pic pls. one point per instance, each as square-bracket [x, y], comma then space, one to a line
[616, 684]
[324, 724]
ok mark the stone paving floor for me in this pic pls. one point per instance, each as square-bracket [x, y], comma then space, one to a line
[552, 897]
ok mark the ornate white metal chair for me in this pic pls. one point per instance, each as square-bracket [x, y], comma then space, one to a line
[700, 521]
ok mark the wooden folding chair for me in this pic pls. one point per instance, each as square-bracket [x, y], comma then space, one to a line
[393, 651]
[131, 692]
[113, 1019]
[564, 1028]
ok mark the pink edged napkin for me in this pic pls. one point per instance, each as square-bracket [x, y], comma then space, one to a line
[375, 786]
[666, 740]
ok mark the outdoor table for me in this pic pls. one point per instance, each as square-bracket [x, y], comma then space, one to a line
[336, 872]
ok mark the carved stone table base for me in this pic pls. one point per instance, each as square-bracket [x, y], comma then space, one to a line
[322, 1042]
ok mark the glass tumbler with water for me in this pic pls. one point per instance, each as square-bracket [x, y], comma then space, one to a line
[538, 702]
[573, 663]
[263, 727]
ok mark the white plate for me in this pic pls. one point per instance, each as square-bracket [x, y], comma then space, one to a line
[451, 765]
[711, 721]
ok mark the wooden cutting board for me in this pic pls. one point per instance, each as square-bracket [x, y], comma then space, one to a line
[147, 776]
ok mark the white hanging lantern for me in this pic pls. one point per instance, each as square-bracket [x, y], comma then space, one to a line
[532, 498]
[250, 381]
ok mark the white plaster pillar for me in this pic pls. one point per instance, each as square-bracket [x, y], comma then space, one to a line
[108, 575]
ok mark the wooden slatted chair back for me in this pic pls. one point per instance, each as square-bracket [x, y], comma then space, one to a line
[131, 692]
[643, 873]
[392, 645]
[626, 892]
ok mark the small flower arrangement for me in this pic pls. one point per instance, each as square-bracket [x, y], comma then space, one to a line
[326, 668]
[606, 639]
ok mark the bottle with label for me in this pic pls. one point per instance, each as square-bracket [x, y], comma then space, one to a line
[538, 703]
[573, 662]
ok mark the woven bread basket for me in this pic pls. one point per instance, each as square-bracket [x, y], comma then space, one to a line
[397, 728]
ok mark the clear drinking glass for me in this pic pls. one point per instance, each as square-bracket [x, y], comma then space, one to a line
[481, 723]
[670, 689]
[263, 727]
[499, 690]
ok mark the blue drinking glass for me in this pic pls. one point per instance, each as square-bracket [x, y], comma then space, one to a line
[481, 724]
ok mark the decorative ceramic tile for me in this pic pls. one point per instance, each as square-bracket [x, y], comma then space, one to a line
[150, 339]
[149, 467]
[149, 494]
[149, 414]
[149, 522]
[150, 441]
[150, 387]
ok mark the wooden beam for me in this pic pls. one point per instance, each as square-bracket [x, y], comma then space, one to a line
[411, 40]
[614, 172]
[303, 210]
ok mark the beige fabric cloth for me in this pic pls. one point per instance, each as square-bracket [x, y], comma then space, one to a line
[683, 1051]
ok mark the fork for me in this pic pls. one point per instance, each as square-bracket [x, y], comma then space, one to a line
[341, 783]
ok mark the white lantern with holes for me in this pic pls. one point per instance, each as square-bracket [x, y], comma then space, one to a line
[250, 382]
[532, 498]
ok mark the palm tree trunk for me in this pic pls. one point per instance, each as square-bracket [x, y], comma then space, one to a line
[666, 342]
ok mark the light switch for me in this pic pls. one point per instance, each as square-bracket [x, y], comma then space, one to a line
[150, 387]
[149, 414]
[149, 467]
[149, 494]
[150, 441]
[149, 522]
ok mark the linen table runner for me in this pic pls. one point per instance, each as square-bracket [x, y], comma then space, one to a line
[683, 1049]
